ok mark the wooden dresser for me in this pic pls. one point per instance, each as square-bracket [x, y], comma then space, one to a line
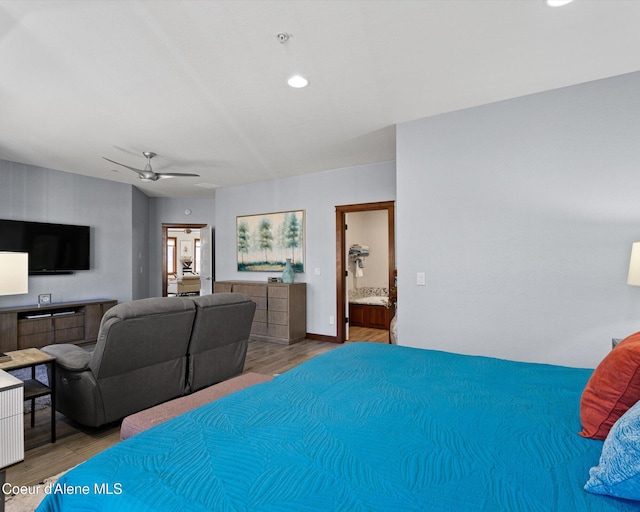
[281, 309]
[63, 322]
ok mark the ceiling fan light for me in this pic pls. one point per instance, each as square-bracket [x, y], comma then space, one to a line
[298, 82]
[558, 3]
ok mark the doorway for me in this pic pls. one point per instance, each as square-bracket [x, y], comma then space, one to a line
[353, 259]
[186, 259]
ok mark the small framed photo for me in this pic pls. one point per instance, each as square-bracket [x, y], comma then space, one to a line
[44, 299]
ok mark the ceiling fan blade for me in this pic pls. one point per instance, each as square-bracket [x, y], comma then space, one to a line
[139, 171]
[165, 175]
[147, 173]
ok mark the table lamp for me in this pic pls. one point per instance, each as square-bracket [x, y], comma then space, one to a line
[14, 273]
[633, 278]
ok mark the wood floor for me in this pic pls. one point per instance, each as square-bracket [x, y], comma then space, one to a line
[75, 444]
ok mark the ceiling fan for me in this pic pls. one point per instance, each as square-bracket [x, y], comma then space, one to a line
[147, 173]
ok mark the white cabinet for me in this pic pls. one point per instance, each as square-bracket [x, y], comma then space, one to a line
[11, 420]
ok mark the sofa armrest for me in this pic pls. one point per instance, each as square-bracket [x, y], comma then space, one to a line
[69, 357]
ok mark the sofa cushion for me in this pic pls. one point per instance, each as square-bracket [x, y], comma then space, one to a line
[142, 333]
[219, 339]
[69, 357]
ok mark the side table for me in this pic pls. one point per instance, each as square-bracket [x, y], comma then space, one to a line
[33, 388]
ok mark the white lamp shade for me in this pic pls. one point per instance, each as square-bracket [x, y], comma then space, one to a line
[634, 265]
[14, 273]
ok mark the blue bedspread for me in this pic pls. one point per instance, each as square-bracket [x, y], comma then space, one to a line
[364, 427]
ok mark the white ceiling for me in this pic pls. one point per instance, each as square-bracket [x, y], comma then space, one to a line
[203, 83]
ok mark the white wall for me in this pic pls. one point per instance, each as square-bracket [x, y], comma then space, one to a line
[44, 195]
[318, 194]
[522, 214]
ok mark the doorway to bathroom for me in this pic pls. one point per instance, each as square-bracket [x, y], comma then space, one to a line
[365, 268]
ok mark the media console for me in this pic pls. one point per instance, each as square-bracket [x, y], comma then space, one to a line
[64, 322]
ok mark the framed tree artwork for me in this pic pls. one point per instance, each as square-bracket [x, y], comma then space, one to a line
[265, 241]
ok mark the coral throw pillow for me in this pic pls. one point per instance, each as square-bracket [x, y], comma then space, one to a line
[614, 387]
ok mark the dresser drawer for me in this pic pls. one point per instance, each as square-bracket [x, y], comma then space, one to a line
[261, 303]
[281, 292]
[251, 290]
[259, 328]
[260, 316]
[278, 331]
[30, 326]
[278, 304]
[278, 317]
[37, 340]
[69, 335]
[68, 321]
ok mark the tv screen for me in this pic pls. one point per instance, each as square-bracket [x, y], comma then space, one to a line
[52, 248]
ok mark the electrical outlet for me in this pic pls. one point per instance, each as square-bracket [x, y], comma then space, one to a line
[421, 279]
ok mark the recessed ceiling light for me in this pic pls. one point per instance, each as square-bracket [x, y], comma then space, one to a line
[298, 82]
[558, 3]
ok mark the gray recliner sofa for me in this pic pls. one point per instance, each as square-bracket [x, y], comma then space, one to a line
[149, 351]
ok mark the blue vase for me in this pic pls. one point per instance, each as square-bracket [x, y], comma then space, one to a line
[287, 273]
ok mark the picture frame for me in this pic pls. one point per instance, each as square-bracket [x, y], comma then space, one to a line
[265, 241]
[186, 250]
[44, 299]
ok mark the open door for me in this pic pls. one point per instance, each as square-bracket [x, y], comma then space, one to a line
[342, 259]
[189, 256]
[347, 281]
[206, 261]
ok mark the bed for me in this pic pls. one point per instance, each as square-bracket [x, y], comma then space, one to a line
[364, 427]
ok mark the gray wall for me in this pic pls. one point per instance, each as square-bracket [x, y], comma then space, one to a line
[522, 214]
[140, 244]
[172, 211]
[318, 194]
[44, 195]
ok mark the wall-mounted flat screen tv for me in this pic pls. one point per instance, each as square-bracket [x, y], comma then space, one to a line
[52, 248]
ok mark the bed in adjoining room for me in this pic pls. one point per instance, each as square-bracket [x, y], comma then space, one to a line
[371, 427]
